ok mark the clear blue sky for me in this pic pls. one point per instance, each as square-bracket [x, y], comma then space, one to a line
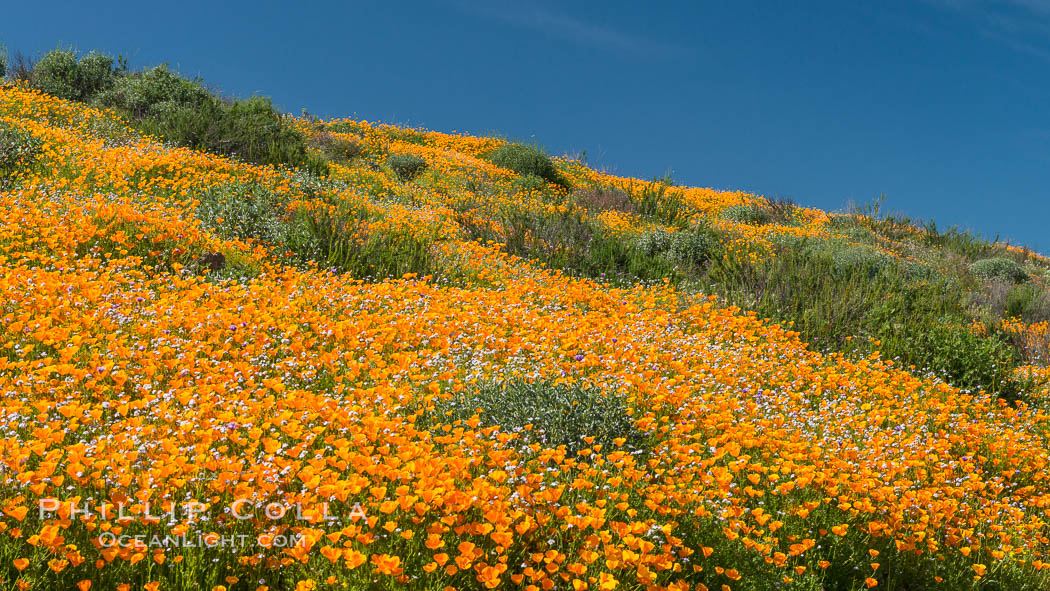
[942, 105]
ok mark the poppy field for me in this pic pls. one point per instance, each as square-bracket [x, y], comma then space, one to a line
[221, 375]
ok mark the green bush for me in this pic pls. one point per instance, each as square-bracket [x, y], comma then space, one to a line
[691, 247]
[526, 160]
[182, 111]
[335, 148]
[530, 183]
[332, 239]
[3, 62]
[1029, 302]
[406, 166]
[248, 211]
[1000, 268]
[56, 74]
[154, 92]
[560, 414]
[845, 298]
[61, 74]
[569, 241]
[746, 214]
[860, 260]
[962, 358]
[18, 149]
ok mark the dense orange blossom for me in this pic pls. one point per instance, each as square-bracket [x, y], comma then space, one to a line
[128, 382]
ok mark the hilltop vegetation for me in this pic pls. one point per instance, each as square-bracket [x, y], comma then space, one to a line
[524, 372]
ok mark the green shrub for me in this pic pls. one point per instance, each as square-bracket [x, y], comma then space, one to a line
[834, 293]
[746, 214]
[56, 74]
[695, 246]
[254, 130]
[335, 148]
[1028, 302]
[655, 242]
[332, 239]
[406, 166]
[152, 92]
[962, 358]
[691, 247]
[248, 211]
[61, 74]
[530, 183]
[526, 160]
[569, 241]
[3, 62]
[96, 74]
[961, 242]
[18, 149]
[560, 414]
[849, 259]
[337, 242]
[182, 111]
[1000, 268]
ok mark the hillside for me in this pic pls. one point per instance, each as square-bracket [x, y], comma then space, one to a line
[453, 361]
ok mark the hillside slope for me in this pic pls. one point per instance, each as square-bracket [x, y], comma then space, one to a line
[487, 378]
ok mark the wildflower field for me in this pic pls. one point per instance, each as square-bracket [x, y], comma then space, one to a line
[423, 369]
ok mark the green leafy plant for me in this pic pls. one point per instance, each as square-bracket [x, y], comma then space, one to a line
[549, 414]
[62, 74]
[335, 148]
[527, 160]
[747, 214]
[18, 149]
[690, 247]
[406, 166]
[1001, 268]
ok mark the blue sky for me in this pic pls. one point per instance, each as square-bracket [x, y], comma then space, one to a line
[942, 105]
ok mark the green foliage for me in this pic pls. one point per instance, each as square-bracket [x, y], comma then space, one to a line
[961, 242]
[526, 160]
[184, 112]
[1000, 268]
[337, 149]
[846, 298]
[962, 358]
[406, 166]
[332, 239]
[559, 414]
[746, 214]
[858, 260]
[177, 109]
[61, 74]
[691, 247]
[18, 149]
[153, 93]
[567, 240]
[781, 211]
[1028, 302]
[340, 242]
[3, 62]
[530, 183]
[246, 211]
[56, 74]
